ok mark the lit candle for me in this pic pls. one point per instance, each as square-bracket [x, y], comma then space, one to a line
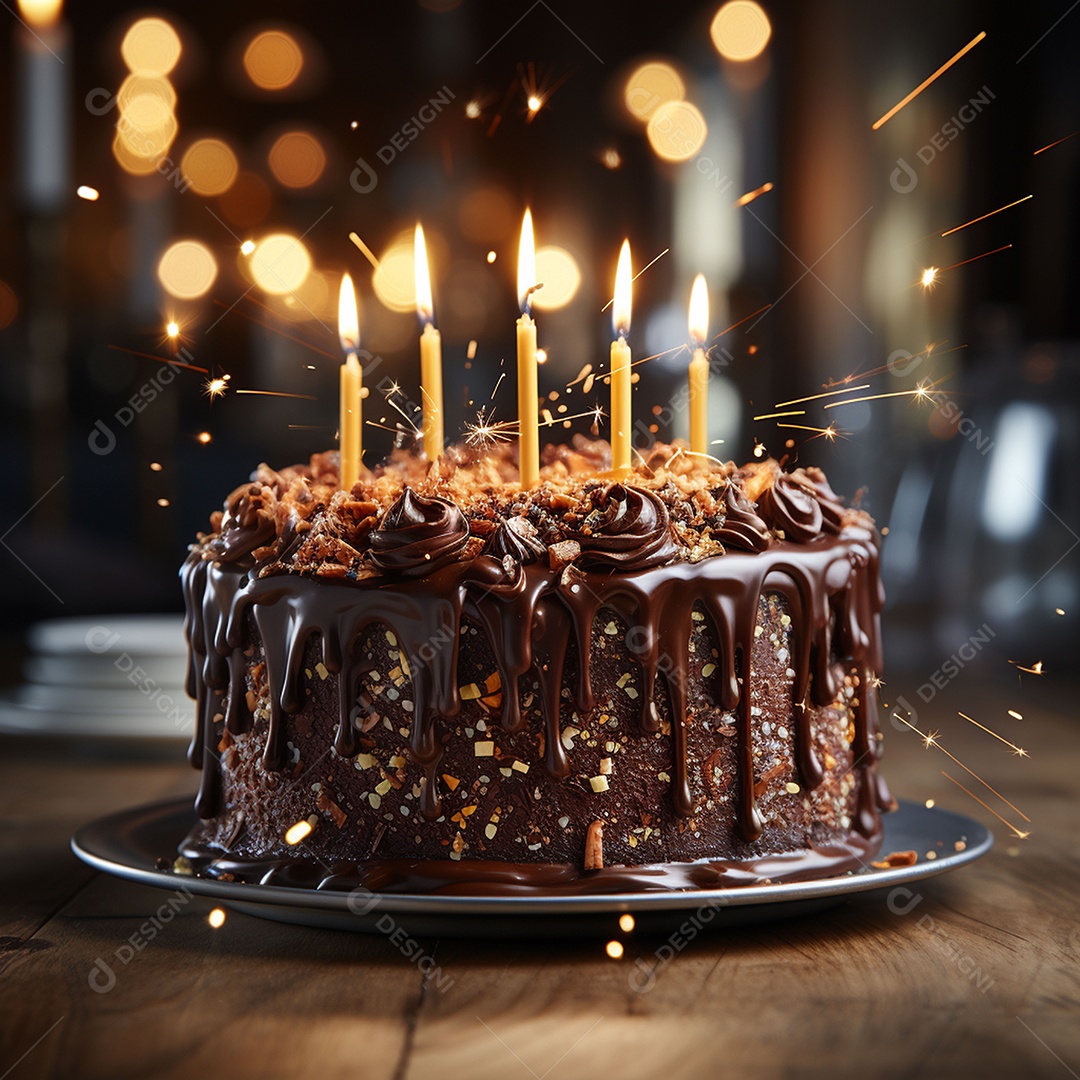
[350, 437]
[699, 367]
[620, 365]
[528, 396]
[45, 114]
[430, 353]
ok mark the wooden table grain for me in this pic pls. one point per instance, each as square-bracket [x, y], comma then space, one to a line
[979, 978]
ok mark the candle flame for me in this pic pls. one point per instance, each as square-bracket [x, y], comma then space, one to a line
[620, 312]
[40, 14]
[425, 307]
[699, 311]
[348, 319]
[526, 278]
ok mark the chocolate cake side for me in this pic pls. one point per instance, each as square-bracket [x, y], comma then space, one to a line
[554, 679]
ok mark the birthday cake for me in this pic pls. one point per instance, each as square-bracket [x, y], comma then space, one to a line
[439, 681]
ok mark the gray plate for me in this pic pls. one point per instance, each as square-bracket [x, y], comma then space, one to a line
[128, 843]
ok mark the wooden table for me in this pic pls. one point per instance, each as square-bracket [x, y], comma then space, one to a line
[980, 979]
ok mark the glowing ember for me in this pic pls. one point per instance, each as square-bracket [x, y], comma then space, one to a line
[90, 194]
[300, 831]
[626, 923]
[163, 502]
[1035, 669]
[1059, 611]
[929, 804]
[1015, 715]
[491, 256]
[156, 466]
[926, 82]
[534, 103]
[614, 949]
[216, 918]
[204, 437]
[472, 109]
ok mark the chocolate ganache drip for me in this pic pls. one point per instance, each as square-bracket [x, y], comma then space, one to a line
[626, 529]
[418, 535]
[792, 508]
[248, 522]
[742, 530]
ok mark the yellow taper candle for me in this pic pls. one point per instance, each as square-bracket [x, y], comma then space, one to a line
[350, 437]
[528, 395]
[699, 367]
[620, 364]
[430, 353]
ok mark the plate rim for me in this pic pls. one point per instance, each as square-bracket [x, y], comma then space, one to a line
[980, 841]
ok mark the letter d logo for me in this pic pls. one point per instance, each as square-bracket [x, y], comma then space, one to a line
[102, 441]
[363, 178]
[903, 177]
[901, 901]
[102, 978]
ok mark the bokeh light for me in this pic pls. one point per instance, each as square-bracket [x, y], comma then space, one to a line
[210, 166]
[677, 131]
[151, 47]
[187, 269]
[651, 85]
[558, 270]
[247, 202]
[280, 263]
[90, 194]
[139, 93]
[740, 30]
[273, 60]
[140, 155]
[297, 159]
[393, 280]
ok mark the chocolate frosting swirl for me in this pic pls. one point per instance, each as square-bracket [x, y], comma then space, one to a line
[792, 507]
[418, 535]
[742, 530]
[248, 522]
[627, 529]
[516, 539]
[832, 509]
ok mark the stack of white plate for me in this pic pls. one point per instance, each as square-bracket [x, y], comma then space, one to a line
[110, 677]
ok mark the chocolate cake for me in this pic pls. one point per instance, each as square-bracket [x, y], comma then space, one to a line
[439, 681]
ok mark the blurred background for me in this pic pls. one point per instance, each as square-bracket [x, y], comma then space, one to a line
[181, 182]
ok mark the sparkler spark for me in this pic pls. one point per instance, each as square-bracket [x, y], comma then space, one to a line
[926, 82]
[930, 739]
[775, 415]
[831, 432]
[929, 277]
[1019, 751]
[1056, 142]
[827, 393]
[964, 262]
[750, 196]
[367, 252]
[215, 387]
[922, 392]
[278, 393]
[1035, 669]
[1018, 833]
[973, 221]
[161, 359]
[486, 431]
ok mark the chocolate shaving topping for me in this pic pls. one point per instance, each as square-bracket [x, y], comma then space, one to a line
[418, 535]
[792, 508]
[626, 528]
[512, 539]
[743, 529]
